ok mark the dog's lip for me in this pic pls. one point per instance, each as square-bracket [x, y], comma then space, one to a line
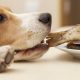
[27, 52]
[41, 45]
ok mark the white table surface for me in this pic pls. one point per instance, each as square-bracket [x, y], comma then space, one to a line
[54, 65]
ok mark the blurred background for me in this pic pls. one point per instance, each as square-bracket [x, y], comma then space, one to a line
[64, 12]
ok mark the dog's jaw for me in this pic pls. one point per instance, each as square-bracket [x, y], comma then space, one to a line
[32, 53]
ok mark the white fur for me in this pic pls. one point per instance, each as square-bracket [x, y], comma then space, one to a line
[31, 23]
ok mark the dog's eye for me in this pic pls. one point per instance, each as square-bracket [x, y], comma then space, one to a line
[2, 17]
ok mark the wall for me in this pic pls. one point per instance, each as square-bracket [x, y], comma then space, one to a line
[52, 6]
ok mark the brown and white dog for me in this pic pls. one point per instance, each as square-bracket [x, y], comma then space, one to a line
[21, 36]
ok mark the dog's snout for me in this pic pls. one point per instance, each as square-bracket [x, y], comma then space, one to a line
[45, 18]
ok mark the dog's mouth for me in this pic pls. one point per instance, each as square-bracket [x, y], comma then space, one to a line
[37, 46]
[31, 53]
[40, 48]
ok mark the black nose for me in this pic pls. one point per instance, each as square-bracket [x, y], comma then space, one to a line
[45, 18]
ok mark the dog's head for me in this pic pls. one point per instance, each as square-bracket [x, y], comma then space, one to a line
[23, 31]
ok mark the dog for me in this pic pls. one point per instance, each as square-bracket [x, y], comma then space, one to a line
[22, 36]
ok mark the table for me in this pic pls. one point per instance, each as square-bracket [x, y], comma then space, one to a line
[54, 65]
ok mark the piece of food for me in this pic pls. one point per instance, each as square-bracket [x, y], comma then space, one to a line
[74, 45]
[61, 37]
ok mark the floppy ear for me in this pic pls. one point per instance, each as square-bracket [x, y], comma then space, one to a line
[7, 8]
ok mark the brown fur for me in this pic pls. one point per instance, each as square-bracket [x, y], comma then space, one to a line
[8, 27]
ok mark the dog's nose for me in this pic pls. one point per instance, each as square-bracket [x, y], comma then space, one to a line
[45, 18]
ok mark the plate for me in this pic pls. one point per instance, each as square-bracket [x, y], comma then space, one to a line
[73, 52]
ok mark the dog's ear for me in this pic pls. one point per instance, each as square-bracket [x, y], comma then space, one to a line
[7, 8]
